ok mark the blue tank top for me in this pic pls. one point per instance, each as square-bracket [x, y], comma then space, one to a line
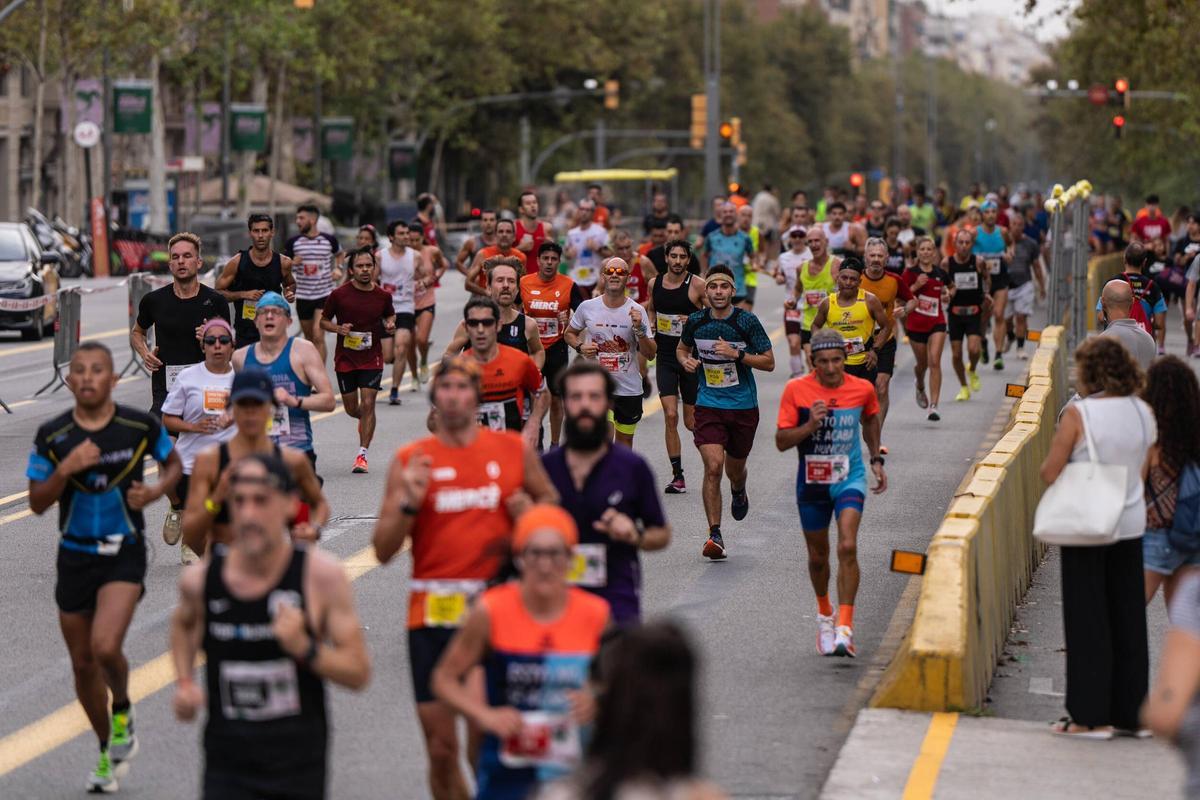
[990, 247]
[290, 426]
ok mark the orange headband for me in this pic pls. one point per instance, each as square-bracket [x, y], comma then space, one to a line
[541, 517]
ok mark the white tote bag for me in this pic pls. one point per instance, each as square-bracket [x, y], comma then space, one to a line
[1082, 508]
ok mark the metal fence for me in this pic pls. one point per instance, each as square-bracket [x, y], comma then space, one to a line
[67, 329]
[1067, 293]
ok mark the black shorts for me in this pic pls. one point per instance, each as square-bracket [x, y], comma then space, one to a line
[923, 338]
[886, 362]
[556, 361]
[862, 371]
[430, 310]
[999, 283]
[673, 379]
[805, 336]
[960, 325]
[157, 398]
[230, 784]
[181, 491]
[80, 575]
[425, 648]
[406, 321]
[355, 379]
[627, 410]
[307, 309]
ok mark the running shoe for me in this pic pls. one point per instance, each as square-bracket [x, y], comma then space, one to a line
[394, 397]
[825, 634]
[934, 416]
[414, 384]
[714, 548]
[973, 378]
[123, 745]
[187, 555]
[102, 780]
[172, 529]
[963, 394]
[676, 486]
[998, 364]
[922, 398]
[360, 464]
[843, 642]
[740, 506]
[424, 373]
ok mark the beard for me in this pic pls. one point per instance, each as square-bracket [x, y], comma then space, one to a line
[583, 437]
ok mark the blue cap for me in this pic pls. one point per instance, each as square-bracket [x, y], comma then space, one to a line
[252, 384]
[275, 299]
[988, 205]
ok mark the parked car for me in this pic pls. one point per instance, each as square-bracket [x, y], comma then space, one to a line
[27, 271]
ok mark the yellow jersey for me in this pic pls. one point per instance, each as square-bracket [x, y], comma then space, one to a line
[855, 324]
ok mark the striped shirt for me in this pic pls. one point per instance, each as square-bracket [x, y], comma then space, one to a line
[314, 264]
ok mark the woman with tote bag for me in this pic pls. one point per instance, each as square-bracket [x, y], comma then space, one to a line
[1101, 438]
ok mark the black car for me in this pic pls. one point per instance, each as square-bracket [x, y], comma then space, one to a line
[26, 272]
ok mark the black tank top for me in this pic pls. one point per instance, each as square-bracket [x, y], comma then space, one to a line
[251, 277]
[673, 303]
[513, 334]
[969, 291]
[222, 516]
[266, 712]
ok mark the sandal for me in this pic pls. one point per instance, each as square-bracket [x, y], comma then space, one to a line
[1067, 727]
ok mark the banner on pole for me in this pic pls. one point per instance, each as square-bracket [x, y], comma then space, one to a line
[131, 106]
[337, 138]
[247, 128]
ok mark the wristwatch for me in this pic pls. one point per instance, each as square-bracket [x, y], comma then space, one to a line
[877, 460]
[409, 511]
[311, 654]
[741, 356]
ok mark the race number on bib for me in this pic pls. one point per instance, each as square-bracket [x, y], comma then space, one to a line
[172, 372]
[545, 740]
[929, 306]
[854, 345]
[583, 275]
[280, 424]
[547, 327]
[216, 398]
[491, 415]
[358, 340]
[993, 265]
[249, 310]
[445, 610]
[614, 362]
[721, 376]
[670, 324]
[966, 280]
[259, 690]
[826, 469]
[390, 288]
[589, 566]
[792, 315]
[814, 297]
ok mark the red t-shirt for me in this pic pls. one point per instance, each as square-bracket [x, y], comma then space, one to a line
[929, 312]
[1148, 229]
[365, 313]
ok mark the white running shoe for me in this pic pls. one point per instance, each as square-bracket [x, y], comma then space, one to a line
[172, 527]
[843, 643]
[825, 634]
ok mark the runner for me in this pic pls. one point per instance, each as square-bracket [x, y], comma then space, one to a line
[1154, 307]
[845, 238]
[399, 268]
[275, 621]
[641, 272]
[895, 255]
[656, 237]
[595, 194]
[820, 415]
[675, 232]
[364, 314]
[517, 330]
[893, 293]
[367, 236]
[313, 254]
[615, 327]
[609, 490]
[787, 270]
[473, 244]
[506, 232]
[875, 223]
[427, 216]
[660, 211]
[424, 302]
[531, 232]
[587, 244]
[296, 369]
[175, 312]
[729, 247]
[815, 283]
[449, 495]
[535, 639]
[969, 285]
[547, 298]
[859, 316]
[726, 343]
[253, 271]
[89, 461]
[926, 322]
[754, 264]
[1025, 269]
[991, 242]
[197, 411]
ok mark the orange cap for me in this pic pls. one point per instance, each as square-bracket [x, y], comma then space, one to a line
[541, 517]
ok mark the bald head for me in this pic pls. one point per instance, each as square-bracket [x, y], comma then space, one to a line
[1117, 299]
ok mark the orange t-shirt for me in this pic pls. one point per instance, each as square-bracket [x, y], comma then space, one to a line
[491, 251]
[887, 289]
[601, 215]
[507, 380]
[544, 301]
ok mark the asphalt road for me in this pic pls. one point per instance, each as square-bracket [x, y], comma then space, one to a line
[773, 712]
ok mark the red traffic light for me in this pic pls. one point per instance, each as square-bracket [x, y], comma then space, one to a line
[856, 180]
[1122, 85]
[1119, 121]
[476, 212]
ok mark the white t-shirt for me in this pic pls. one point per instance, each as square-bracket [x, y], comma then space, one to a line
[586, 243]
[611, 330]
[790, 263]
[199, 393]
[396, 277]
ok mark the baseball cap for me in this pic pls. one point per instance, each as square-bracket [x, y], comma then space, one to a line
[252, 384]
[988, 205]
[273, 299]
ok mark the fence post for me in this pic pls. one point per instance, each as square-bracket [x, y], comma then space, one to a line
[139, 287]
[67, 329]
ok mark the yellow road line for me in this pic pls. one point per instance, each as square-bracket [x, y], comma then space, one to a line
[923, 778]
[33, 348]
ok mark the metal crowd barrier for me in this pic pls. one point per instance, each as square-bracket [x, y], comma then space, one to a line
[1067, 294]
[67, 329]
[140, 284]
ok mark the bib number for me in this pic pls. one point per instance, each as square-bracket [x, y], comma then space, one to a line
[249, 310]
[792, 315]
[589, 566]
[583, 274]
[172, 373]
[280, 424]
[259, 690]
[547, 326]
[993, 265]
[445, 610]
[358, 340]
[826, 470]
[491, 416]
[670, 324]
[545, 740]
[721, 376]
[854, 345]
[929, 306]
[614, 362]
[966, 280]
[216, 399]
[813, 298]
[390, 288]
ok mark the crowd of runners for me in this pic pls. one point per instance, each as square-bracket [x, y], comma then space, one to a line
[526, 509]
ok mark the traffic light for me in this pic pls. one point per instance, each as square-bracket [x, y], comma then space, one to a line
[1118, 126]
[612, 94]
[302, 3]
[726, 130]
[699, 120]
[735, 135]
[856, 180]
[1122, 87]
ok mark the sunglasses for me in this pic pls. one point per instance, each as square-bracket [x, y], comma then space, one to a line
[615, 271]
[211, 340]
[490, 322]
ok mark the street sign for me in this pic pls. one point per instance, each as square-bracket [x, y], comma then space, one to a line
[87, 134]
[1014, 389]
[1098, 94]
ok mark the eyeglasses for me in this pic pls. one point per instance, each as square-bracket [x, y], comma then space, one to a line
[211, 340]
[555, 554]
[614, 271]
[490, 322]
[268, 311]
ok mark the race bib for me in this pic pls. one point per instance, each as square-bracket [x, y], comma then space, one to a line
[357, 340]
[110, 545]
[993, 265]
[854, 345]
[547, 327]
[545, 740]
[670, 324]
[390, 288]
[259, 690]
[216, 398]
[614, 362]
[491, 415]
[792, 315]
[966, 280]
[280, 424]
[826, 469]
[583, 274]
[814, 297]
[172, 373]
[1157, 268]
[929, 306]
[311, 270]
[589, 566]
[249, 310]
[445, 610]
[721, 376]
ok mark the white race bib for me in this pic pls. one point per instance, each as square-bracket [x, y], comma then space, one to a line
[110, 545]
[547, 327]
[670, 324]
[854, 345]
[966, 280]
[792, 315]
[491, 415]
[589, 566]
[545, 739]
[814, 297]
[280, 424]
[929, 306]
[993, 265]
[826, 469]
[722, 375]
[173, 371]
[259, 690]
[614, 362]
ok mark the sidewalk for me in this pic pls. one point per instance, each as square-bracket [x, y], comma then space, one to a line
[1007, 750]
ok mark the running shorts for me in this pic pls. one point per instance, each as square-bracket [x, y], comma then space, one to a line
[817, 506]
[405, 321]
[225, 783]
[430, 310]
[626, 413]
[862, 371]
[733, 429]
[673, 379]
[887, 358]
[923, 337]
[425, 648]
[307, 309]
[80, 575]
[556, 361]
[1020, 300]
[352, 380]
[960, 326]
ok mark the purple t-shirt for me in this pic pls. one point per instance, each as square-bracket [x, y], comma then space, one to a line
[622, 480]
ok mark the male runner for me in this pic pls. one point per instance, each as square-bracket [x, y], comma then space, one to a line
[253, 271]
[844, 238]
[730, 247]
[656, 237]
[609, 490]
[675, 231]
[894, 295]
[296, 369]
[787, 269]
[516, 329]
[175, 312]
[815, 281]
[547, 296]
[926, 323]
[1025, 269]
[587, 244]
[641, 272]
[970, 281]
[89, 461]
[429, 277]
[660, 211]
[820, 415]
[754, 264]
[725, 343]
[530, 232]
[505, 236]
[206, 517]
[364, 315]
[876, 220]
[313, 253]
[675, 295]
[859, 317]
[991, 242]
[275, 621]
[400, 267]
[616, 332]
[452, 496]
[473, 244]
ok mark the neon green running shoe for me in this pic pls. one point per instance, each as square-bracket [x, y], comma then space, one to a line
[102, 780]
[973, 377]
[124, 744]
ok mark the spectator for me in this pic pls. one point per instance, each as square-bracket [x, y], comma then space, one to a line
[645, 738]
[1116, 303]
[1174, 394]
[1173, 711]
[1104, 614]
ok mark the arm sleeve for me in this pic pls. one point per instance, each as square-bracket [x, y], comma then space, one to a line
[334, 245]
[40, 466]
[160, 442]
[578, 319]
[533, 376]
[329, 309]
